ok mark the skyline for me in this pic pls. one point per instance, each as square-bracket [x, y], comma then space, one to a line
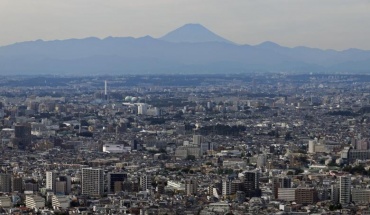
[333, 24]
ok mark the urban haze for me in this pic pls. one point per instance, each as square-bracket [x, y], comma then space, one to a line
[184, 107]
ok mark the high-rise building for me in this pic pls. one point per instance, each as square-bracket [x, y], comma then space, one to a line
[226, 187]
[311, 146]
[50, 180]
[92, 182]
[65, 179]
[251, 184]
[191, 186]
[5, 183]
[161, 184]
[114, 179]
[17, 184]
[22, 136]
[142, 109]
[344, 189]
[146, 182]
[63, 185]
[335, 194]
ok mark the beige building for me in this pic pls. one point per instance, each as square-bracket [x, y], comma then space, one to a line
[35, 202]
[361, 196]
[185, 151]
[5, 202]
[286, 194]
[191, 186]
[60, 201]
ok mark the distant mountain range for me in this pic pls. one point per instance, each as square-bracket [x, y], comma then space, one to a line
[191, 48]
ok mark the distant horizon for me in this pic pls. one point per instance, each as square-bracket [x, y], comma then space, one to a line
[138, 37]
[330, 24]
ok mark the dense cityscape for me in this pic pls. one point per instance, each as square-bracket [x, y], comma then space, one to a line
[185, 144]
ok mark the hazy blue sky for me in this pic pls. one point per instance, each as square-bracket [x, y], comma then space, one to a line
[336, 24]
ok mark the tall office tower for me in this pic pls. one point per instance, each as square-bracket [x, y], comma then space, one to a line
[92, 182]
[63, 185]
[191, 186]
[5, 183]
[226, 187]
[161, 184]
[344, 189]
[280, 182]
[145, 182]
[50, 180]
[115, 181]
[251, 184]
[17, 184]
[198, 139]
[22, 137]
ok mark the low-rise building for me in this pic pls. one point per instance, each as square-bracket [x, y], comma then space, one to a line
[35, 202]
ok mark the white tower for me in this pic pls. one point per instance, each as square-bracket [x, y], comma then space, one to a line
[50, 180]
[142, 109]
[226, 187]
